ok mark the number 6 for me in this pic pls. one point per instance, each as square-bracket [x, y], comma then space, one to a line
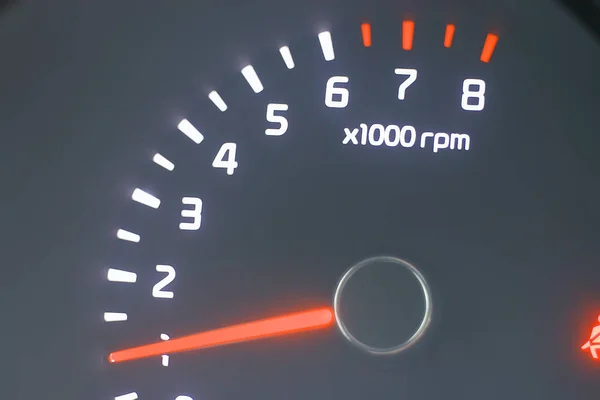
[342, 93]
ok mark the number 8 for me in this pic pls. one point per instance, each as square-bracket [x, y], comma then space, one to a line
[477, 94]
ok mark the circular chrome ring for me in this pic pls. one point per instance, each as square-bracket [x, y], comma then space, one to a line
[387, 350]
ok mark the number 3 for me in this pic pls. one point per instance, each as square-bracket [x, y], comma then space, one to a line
[195, 214]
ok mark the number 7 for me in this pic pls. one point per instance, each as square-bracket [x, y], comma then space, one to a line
[412, 76]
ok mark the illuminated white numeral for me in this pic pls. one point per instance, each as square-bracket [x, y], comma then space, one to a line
[408, 129]
[157, 290]
[195, 213]
[412, 76]
[277, 119]
[377, 134]
[387, 136]
[225, 158]
[478, 95]
[407, 136]
[364, 129]
[341, 93]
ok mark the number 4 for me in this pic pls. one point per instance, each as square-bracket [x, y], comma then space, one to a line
[225, 158]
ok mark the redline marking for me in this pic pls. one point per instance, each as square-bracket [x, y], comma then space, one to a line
[488, 47]
[408, 33]
[366, 34]
[450, 28]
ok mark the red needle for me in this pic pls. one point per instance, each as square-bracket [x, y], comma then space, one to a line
[281, 325]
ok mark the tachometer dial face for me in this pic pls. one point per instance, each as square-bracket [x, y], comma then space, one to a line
[373, 208]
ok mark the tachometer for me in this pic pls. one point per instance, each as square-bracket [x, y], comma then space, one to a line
[377, 188]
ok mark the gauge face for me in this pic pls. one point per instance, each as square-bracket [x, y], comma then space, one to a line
[371, 209]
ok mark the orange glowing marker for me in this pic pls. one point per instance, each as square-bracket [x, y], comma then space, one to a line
[408, 33]
[366, 34]
[261, 329]
[488, 47]
[593, 345]
[450, 28]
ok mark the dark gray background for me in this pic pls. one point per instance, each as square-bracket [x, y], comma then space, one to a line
[87, 90]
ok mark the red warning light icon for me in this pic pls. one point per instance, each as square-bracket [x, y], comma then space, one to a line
[593, 345]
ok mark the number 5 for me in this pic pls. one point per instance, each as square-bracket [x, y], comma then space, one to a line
[412, 76]
[278, 119]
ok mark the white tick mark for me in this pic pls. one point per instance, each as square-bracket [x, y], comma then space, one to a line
[145, 198]
[164, 358]
[190, 131]
[118, 275]
[326, 45]
[115, 316]
[287, 57]
[128, 396]
[250, 75]
[128, 236]
[163, 162]
[216, 98]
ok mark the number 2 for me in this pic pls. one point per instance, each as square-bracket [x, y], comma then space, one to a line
[157, 290]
